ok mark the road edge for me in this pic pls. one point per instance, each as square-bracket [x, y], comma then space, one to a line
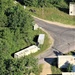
[50, 39]
[55, 23]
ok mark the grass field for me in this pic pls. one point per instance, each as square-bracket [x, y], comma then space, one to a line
[54, 14]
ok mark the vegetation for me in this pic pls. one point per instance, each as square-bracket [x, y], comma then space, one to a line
[54, 14]
[55, 70]
[54, 67]
[45, 3]
[53, 10]
[70, 53]
[16, 33]
[69, 67]
[16, 29]
[23, 66]
[47, 42]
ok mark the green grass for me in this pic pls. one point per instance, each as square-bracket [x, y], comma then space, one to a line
[55, 70]
[54, 14]
[47, 42]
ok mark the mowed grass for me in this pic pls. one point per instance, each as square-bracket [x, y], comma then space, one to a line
[47, 42]
[54, 14]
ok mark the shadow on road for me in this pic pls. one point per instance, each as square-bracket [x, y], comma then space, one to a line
[57, 53]
[52, 61]
[49, 60]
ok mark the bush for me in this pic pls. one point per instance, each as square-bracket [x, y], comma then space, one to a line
[69, 67]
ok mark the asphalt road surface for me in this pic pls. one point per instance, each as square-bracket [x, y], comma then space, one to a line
[64, 40]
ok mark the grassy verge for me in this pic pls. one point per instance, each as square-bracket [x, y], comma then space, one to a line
[47, 42]
[53, 14]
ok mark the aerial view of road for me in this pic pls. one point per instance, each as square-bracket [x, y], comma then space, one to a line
[64, 39]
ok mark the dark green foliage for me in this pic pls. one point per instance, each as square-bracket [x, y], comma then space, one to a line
[46, 3]
[29, 2]
[16, 28]
[3, 20]
[18, 18]
[2, 66]
[69, 67]
[21, 66]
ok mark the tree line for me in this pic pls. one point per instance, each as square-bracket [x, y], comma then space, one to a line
[16, 29]
[45, 3]
[23, 66]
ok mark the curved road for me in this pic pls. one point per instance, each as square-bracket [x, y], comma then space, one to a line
[64, 39]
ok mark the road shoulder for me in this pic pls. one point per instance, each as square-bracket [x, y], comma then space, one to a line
[55, 23]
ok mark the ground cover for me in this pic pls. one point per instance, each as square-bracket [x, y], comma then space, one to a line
[22, 44]
[54, 67]
[54, 14]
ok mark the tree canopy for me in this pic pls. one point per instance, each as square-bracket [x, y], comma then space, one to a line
[16, 27]
[45, 3]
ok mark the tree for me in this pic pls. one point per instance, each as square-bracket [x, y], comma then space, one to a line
[42, 3]
[2, 66]
[15, 25]
[3, 20]
[28, 2]
[17, 17]
[4, 4]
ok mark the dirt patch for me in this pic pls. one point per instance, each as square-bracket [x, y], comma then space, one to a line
[46, 69]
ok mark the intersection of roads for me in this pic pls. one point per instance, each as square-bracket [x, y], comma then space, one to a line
[64, 39]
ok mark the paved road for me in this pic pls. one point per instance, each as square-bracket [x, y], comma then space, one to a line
[64, 39]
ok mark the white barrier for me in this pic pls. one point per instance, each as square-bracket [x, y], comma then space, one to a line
[27, 51]
[41, 38]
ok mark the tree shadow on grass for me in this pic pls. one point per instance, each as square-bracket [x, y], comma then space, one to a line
[53, 62]
[57, 53]
[65, 10]
[36, 40]
[20, 1]
[68, 1]
[12, 55]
